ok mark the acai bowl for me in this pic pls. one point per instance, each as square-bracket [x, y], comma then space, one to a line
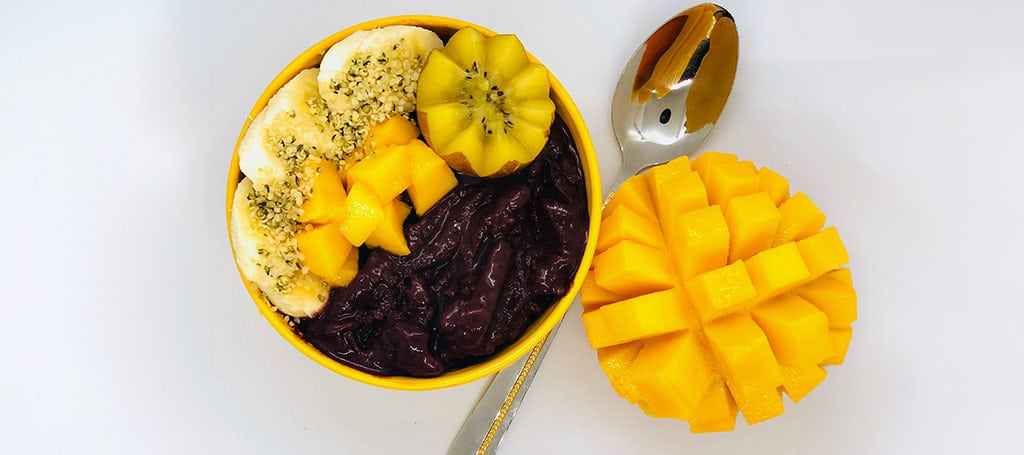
[365, 329]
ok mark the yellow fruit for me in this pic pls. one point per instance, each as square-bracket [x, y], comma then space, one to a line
[429, 176]
[365, 213]
[389, 233]
[326, 204]
[482, 105]
[713, 292]
[326, 253]
[385, 173]
[396, 130]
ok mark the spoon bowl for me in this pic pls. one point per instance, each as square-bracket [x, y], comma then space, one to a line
[666, 102]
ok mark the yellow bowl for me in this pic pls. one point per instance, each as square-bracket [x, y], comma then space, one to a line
[444, 27]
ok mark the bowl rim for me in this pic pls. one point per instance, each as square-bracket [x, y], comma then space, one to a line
[539, 329]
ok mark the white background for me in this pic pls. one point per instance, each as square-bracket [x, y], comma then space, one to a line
[128, 330]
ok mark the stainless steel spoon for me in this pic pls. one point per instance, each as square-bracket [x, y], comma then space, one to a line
[666, 102]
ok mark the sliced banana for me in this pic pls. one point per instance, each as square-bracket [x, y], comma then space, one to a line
[371, 76]
[266, 260]
[291, 128]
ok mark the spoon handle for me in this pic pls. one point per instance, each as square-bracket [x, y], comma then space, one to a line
[486, 425]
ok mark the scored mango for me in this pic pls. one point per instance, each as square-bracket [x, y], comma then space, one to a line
[714, 291]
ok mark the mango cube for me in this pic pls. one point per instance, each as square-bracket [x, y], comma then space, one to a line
[365, 213]
[842, 275]
[615, 361]
[741, 349]
[632, 268]
[386, 173]
[705, 161]
[326, 204]
[658, 176]
[701, 241]
[840, 344]
[835, 298]
[684, 192]
[634, 194]
[593, 296]
[799, 381]
[796, 330]
[390, 234]
[716, 412]
[671, 374]
[430, 178]
[325, 252]
[774, 184]
[645, 316]
[727, 181]
[752, 221]
[720, 291]
[776, 270]
[823, 252]
[627, 224]
[799, 219]
[396, 130]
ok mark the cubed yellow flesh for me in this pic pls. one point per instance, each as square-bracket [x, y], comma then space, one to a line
[389, 234]
[796, 330]
[727, 181]
[799, 219]
[671, 374]
[326, 203]
[645, 316]
[365, 213]
[385, 173]
[430, 178]
[615, 361]
[396, 130]
[763, 314]
[774, 184]
[752, 221]
[325, 252]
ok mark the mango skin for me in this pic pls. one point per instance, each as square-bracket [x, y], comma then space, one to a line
[714, 291]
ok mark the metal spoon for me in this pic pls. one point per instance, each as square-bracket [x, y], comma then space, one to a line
[666, 102]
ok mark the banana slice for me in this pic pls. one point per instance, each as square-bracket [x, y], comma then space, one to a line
[268, 258]
[371, 76]
[290, 129]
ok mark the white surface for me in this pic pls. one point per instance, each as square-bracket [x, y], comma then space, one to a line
[129, 330]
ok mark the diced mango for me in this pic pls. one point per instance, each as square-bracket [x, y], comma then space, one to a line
[615, 361]
[645, 316]
[365, 213]
[325, 252]
[390, 234]
[701, 241]
[776, 270]
[393, 131]
[796, 330]
[386, 172]
[593, 296]
[840, 344]
[842, 274]
[684, 193]
[348, 271]
[727, 181]
[720, 291]
[716, 412]
[632, 268]
[671, 374]
[799, 381]
[800, 218]
[823, 252]
[627, 224]
[774, 184]
[634, 194]
[657, 176]
[752, 221]
[751, 371]
[835, 298]
[326, 204]
[429, 176]
[705, 161]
